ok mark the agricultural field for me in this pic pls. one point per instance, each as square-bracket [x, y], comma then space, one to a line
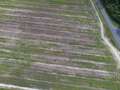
[54, 45]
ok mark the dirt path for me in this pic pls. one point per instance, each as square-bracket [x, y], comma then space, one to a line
[113, 50]
[9, 86]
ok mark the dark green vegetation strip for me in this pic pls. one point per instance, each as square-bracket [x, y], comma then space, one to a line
[113, 8]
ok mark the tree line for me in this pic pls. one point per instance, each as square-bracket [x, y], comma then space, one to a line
[113, 9]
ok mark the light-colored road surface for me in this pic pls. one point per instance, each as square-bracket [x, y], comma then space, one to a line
[113, 50]
[110, 25]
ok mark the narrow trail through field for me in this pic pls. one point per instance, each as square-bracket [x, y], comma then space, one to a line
[113, 50]
[9, 86]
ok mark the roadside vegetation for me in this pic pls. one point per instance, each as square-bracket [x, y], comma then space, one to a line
[113, 8]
